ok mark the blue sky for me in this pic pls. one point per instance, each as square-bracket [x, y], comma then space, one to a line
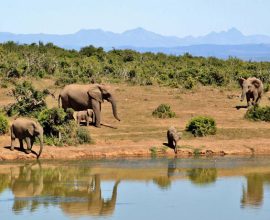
[167, 17]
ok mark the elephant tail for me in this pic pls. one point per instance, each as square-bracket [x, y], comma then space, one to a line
[59, 101]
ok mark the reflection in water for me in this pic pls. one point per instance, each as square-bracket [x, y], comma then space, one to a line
[76, 189]
[29, 183]
[81, 191]
[94, 203]
[253, 195]
[202, 175]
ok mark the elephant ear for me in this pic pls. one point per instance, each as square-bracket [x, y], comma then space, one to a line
[95, 95]
[89, 112]
[31, 130]
[241, 81]
[256, 83]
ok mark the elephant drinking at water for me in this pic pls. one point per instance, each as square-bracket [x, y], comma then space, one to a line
[26, 130]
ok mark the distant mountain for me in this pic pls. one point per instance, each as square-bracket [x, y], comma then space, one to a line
[221, 44]
[254, 52]
[138, 37]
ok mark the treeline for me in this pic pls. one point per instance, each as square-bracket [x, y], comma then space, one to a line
[92, 64]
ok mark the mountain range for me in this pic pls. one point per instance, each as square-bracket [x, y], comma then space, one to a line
[220, 44]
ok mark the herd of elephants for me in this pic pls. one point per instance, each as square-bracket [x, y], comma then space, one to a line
[86, 101]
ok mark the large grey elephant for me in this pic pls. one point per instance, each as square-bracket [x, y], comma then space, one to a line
[252, 89]
[26, 130]
[83, 97]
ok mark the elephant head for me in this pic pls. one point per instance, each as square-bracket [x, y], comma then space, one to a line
[36, 130]
[102, 93]
[248, 85]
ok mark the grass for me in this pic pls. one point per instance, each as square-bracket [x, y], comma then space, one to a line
[137, 124]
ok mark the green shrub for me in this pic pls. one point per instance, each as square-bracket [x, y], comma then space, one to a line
[201, 126]
[59, 130]
[190, 83]
[29, 101]
[257, 113]
[163, 111]
[3, 124]
[83, 136]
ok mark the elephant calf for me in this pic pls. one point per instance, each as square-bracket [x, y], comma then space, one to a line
[173, 137]
[26, 130]
[85, 115]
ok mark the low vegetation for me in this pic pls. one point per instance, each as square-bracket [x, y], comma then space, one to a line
[29, 101]
[60, 130]
[258, 113]
[4, 126]
[201, 126]
[163, 111]
[92, 64]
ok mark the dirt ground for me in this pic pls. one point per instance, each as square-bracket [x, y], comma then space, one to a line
[139, 134]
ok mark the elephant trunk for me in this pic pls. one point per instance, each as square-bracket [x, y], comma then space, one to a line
[114, 108]
[40, 138]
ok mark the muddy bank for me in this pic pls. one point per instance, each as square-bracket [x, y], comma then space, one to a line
[115, 149]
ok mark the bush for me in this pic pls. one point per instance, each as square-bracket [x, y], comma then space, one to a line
[3, 124]
[201, 126]
[163, 111]
[257, 113]
[52, 120]
[83, 136]
[29, 101]
[59, 130]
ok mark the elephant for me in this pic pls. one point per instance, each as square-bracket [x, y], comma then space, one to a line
[173, 137]
[85, 115]
[252, 88]
[83, 97]
[26, 129]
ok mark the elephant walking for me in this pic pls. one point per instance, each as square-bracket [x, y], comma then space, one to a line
[26, 130]
[83, 97]
[252, 89]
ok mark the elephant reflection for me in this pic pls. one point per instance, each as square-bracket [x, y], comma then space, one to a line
[94, 204]
[253, 194]
[29, 183]
[164, 182]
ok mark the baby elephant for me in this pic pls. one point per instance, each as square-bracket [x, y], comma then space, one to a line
[85, 115]
[173, 137]
[26, 130]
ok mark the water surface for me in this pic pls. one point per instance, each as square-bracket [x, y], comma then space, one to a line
[202, 188]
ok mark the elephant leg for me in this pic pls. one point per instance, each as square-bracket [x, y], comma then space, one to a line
[96, 109]
[12, 143]
[175, 147]
[255, 98]
[249, 103]
[28, 143]
[87, 121]
[21, 144]
[32, 142]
